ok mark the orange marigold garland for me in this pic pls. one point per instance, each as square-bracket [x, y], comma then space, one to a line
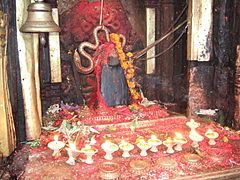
[127, 64]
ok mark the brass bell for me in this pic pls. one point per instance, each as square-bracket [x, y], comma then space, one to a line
[39, 18]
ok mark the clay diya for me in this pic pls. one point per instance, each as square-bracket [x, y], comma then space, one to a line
[72, 152]
[196, 138]
[143, 146]
[126, 147]
[169, 143]
[180, 141]
[109, 148]
[56, 146]
[211, 135]
[154, 142]
[89, 152]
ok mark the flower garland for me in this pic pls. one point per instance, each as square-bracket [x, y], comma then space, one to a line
[127, 65]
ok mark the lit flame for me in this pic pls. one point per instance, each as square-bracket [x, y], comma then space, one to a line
[87, 146]
[192, 120]
[123, 142]
[179, 135]
[142, 141]
[55, 137]
[153, 136]
[107, 142]
[169, 140]
[209, 131]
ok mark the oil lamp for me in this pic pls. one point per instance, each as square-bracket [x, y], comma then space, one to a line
[192, 124]
[73, 152]
[169, 143]
[179, 140]
[211, 135]
[144, 146]
[109, 148]
[56, 146]
[194, 135]
[126, 147]
[196, 138]
[154, 142]
[89, 152]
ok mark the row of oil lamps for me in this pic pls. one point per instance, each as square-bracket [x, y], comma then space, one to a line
[109, 147]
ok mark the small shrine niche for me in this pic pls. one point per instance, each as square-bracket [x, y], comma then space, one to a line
[128, 19]
[85, 16]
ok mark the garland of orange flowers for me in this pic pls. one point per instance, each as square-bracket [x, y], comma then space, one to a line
[127, 65]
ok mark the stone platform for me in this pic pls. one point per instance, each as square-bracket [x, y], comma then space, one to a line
[221, 161]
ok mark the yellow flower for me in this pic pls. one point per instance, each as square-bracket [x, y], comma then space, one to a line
[118, 47]
[130, 64]
[121, 56]
[133, 106]
[124, 65]
[131, 84]
[133, 91]
[130, 70]
[129, 76]
[129, 54]
[136, 96]
[114, 37]
[120, 51]
[225, 139]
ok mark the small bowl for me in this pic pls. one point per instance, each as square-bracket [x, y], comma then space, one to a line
[109, 170]
[139, 167]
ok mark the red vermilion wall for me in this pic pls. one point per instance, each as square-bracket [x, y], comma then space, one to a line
[78, 22]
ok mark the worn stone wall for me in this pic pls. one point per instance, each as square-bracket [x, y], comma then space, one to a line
[211, 83]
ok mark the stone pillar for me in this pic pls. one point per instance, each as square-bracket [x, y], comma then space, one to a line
[54, 48]
[149, 81]
[200, 14]
[199, 44]
[28, 48]
[150, 34]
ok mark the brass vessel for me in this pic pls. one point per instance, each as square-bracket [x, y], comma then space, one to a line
[139, 167]
[109, 170]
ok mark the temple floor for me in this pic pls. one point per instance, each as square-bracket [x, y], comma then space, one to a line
[215, 161]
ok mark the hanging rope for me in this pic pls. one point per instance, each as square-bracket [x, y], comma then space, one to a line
[178, 18]
[144, 51]
[169, 47]
[171, 30]
[101, 14]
